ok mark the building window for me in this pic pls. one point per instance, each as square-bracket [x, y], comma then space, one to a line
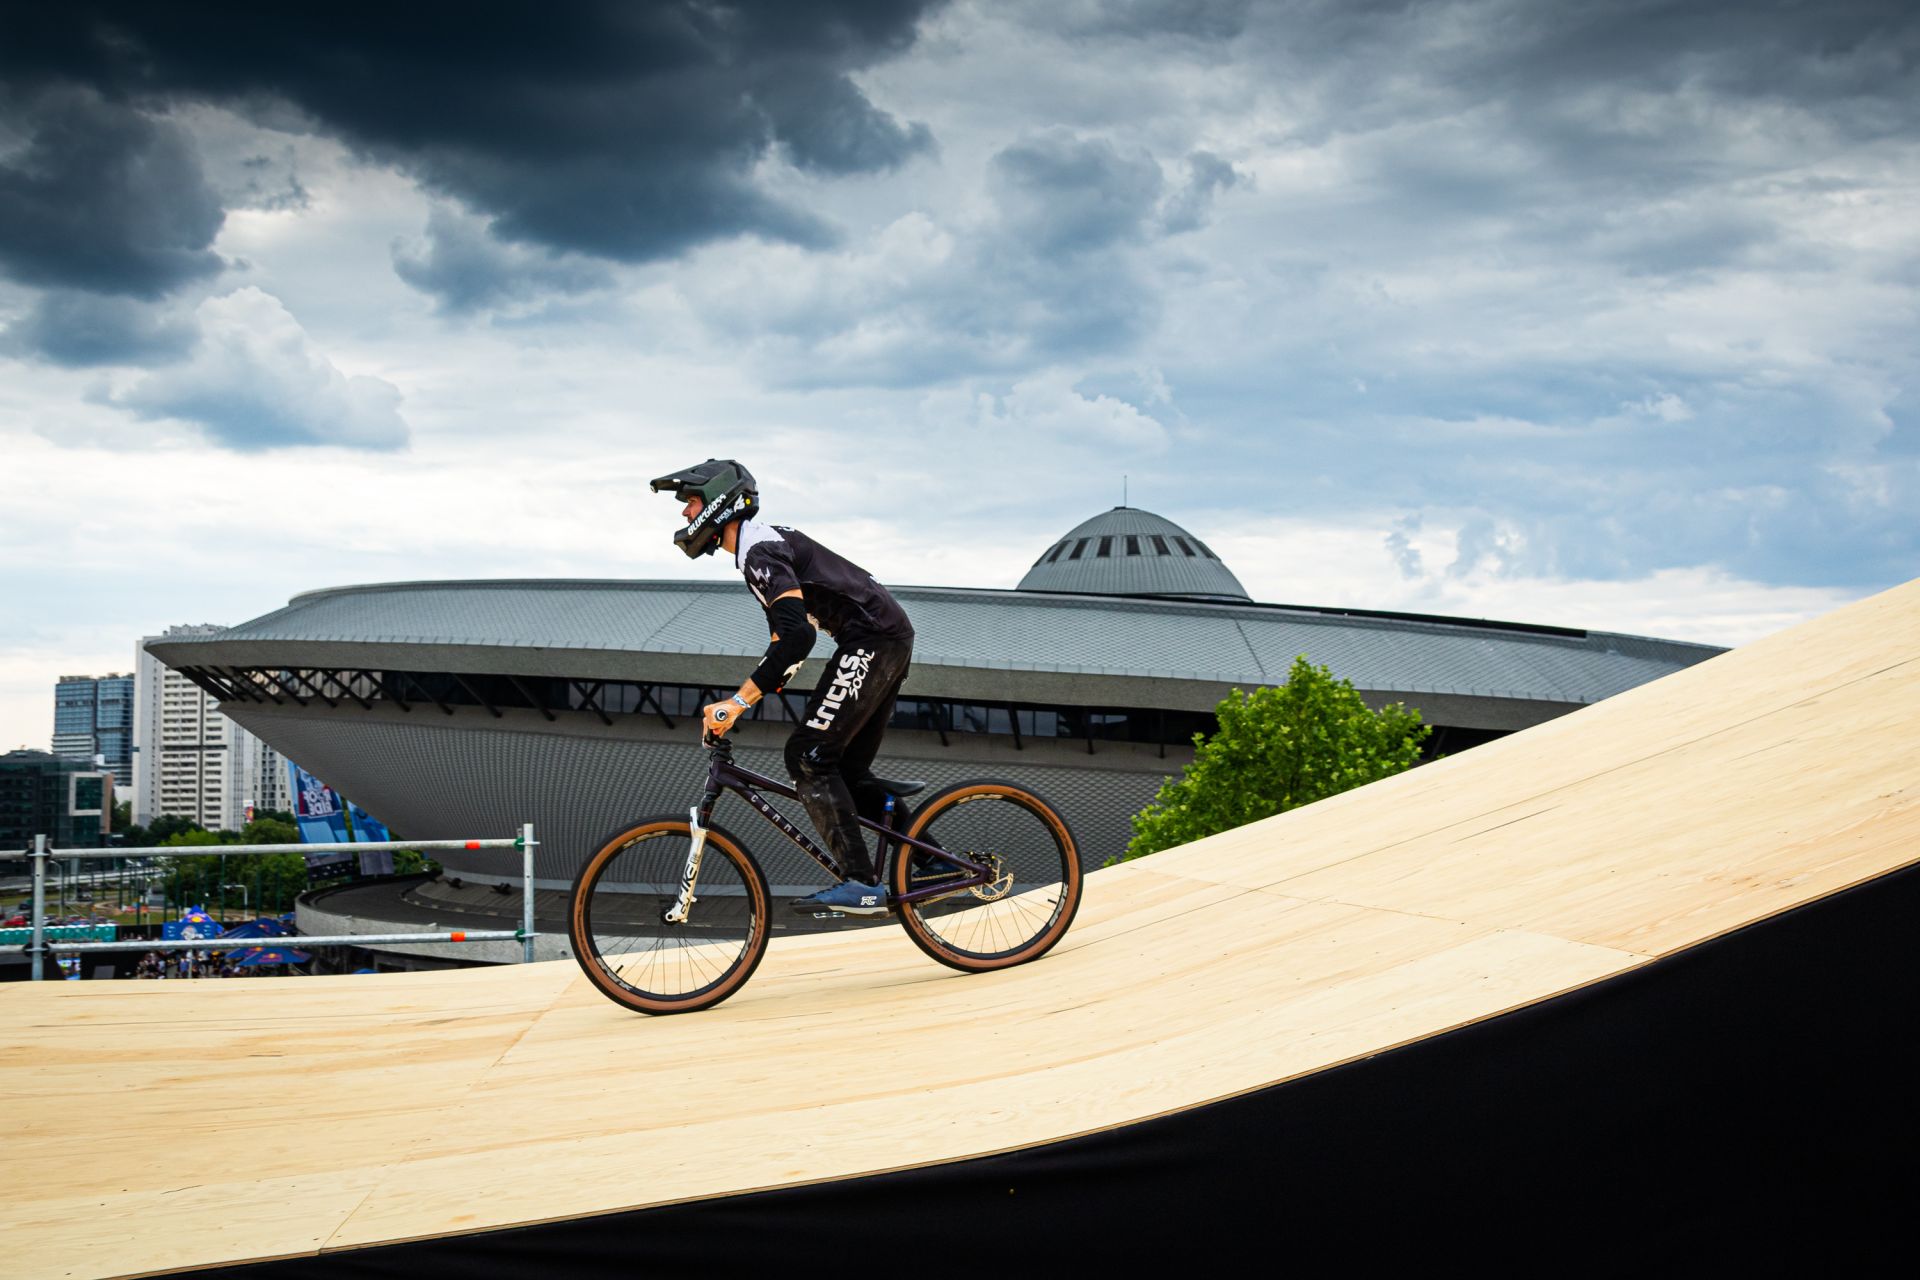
[1079, 548]
[1182, 544]
[1160, 547]
[1106, 548]
[1133, 545]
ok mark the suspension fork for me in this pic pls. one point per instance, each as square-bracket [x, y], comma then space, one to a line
[698, 818]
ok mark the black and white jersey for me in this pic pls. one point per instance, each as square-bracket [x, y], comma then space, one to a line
[842, 597]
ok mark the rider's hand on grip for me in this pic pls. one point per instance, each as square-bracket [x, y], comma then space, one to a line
[718, 717]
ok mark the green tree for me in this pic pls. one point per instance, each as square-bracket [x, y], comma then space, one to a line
[271, 881]
[124, 827]
[411, 862]
[269, 828]
[1277, 749]
[167, 826]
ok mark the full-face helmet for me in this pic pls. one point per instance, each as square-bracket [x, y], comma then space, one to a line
[727, 493]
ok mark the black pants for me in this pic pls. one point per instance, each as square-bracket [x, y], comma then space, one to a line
[831, 754]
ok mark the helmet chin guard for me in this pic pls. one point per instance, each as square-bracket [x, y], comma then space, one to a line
[727, 493]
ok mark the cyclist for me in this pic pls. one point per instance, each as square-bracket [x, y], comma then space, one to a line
[799, 582]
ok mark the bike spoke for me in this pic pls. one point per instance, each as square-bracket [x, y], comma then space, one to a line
[1034, 878]
[628, 939]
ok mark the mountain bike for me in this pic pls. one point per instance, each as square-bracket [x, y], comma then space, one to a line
[672, 914]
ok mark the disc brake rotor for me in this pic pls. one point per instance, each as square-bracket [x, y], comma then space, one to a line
[1002, 878]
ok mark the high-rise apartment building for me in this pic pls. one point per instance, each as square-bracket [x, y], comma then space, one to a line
[189, 761]
[93, 719]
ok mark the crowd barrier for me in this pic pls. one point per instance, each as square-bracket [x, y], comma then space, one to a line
[40, 946]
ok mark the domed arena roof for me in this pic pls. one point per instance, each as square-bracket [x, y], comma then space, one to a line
[1130, 552]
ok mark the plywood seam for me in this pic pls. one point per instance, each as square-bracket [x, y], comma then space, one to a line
[391, 1167]
[1068, 946]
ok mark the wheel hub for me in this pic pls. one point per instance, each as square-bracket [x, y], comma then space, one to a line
[1000, 878]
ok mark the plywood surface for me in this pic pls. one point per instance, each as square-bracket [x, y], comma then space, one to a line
[155, 1126]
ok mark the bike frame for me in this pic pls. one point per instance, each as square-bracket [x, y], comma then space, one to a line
[724, 775]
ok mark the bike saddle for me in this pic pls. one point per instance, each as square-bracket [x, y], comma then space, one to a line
[897, 788]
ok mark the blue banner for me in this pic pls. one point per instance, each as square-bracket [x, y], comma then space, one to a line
[322, 819]
[369, 829]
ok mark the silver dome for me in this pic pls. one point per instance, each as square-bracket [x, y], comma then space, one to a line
[1130, 552]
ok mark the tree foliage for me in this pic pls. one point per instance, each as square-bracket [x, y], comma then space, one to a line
[272, 880]
[167, 826]
[1277, 749]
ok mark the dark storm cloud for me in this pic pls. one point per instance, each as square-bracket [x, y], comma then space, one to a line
[827, 125]
[103, 198]
[1138, 19]
[1065, 194]
[467, 269]
[1565, 73]
[80, 329]
[1054, 272]
[624, 130]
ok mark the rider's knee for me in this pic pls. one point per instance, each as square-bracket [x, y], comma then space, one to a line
[805, 762]
[869, 797]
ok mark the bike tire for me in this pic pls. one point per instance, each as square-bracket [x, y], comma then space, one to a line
[615, 918]
[988, 927]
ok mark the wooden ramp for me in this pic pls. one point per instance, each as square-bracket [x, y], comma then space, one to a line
[164, 1126]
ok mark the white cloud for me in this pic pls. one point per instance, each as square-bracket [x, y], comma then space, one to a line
[1047, 410]
[1364, 563]
[255, 380]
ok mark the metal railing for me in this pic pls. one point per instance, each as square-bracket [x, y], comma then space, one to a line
[38, 949]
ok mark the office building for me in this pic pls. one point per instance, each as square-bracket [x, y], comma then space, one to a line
[93, 723]
[68, 801]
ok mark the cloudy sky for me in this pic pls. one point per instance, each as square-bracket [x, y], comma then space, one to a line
[1600, 314]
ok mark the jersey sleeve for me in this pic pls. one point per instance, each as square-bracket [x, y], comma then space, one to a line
[770, 571]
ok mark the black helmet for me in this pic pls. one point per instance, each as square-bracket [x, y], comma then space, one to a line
[727, 493]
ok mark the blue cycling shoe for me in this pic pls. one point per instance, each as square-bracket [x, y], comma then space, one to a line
[849, 897]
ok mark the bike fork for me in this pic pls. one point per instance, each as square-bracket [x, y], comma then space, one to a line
[683, 905]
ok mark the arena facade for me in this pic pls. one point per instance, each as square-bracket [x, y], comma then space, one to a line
[457, 709]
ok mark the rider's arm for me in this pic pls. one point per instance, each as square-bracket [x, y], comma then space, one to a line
[791, 642]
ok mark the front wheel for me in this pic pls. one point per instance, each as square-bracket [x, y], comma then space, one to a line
[1023, 910]
[638, 957]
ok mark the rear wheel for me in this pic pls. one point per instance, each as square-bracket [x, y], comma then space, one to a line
[633, 953]
[1035, 891]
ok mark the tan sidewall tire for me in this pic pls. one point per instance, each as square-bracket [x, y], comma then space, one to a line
[577, 932]
[1027, 799]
